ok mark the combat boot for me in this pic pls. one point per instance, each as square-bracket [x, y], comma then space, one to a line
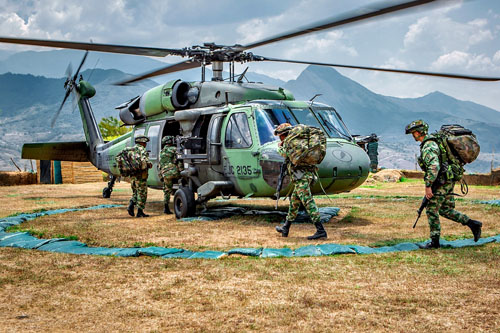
[140, 213]
[130, 208]
[475, 227]
[283, 229]
[320, 231]
[433, 244]
[166, 210]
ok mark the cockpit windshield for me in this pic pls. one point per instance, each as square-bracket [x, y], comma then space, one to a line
[332, 123]
[326, 118]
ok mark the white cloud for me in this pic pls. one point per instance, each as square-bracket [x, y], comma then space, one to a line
[496, 57]
[460, 61]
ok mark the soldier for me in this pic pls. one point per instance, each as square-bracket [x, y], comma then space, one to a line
[372, 150]
[139, 180]
[441, 200]
[169, 168]
[302, 178]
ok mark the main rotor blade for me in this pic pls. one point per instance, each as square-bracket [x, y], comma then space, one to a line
[180, 66]
[60, 108]
[80, 67]
[350, 17]
[448, 75]
[135, 50]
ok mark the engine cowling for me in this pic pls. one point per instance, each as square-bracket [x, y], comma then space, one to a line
[173, 95]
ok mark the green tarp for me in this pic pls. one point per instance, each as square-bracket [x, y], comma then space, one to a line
[26, 241]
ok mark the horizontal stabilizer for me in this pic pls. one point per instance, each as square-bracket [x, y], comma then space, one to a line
[56, 151]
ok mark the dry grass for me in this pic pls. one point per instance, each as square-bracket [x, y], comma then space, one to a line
[441, 290]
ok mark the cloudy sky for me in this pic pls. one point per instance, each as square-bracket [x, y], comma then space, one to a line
[458, 37]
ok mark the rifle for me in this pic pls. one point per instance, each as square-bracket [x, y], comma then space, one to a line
[425, 201]
[283, 171]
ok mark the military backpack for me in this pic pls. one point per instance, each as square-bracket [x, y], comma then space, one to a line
[458, 146]
[305, 145]
[127, 163]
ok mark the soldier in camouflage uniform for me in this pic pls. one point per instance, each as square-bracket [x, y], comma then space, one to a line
[302, 178]
[372, 150]
[139, 180]
[169, 168]
[438, 189]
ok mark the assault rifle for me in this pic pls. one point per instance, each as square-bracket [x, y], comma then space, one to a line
[425, 201]
[283, 171]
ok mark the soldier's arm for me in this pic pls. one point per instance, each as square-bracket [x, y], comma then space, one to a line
[430, 157]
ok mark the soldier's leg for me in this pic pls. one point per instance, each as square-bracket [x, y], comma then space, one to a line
[306, 198]
[432, 211]
[304, 193]
[448, 210]
[134, 187]
[142, 193]
[167, 191]
[293, 207]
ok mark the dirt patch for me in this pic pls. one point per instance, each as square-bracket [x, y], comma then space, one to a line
[388, 175]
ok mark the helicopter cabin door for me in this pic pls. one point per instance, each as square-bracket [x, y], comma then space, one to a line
[240, 157]
[154, 147]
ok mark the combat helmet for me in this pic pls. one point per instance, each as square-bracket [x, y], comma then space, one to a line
[282, 129]
[168, 140]
[141, 139]
[417, 125]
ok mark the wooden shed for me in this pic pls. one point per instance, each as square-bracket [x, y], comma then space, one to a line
[56, 172]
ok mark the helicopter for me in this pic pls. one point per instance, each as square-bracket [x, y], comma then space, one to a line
[223, 128]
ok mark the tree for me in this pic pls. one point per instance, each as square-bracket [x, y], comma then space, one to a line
[111, 128]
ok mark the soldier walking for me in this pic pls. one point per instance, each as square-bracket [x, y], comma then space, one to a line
[441, 200]
[302, 177]
[169, 169]
[139, 179]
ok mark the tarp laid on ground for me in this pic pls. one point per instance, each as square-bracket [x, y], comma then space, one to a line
[62, 245]
[217, 213]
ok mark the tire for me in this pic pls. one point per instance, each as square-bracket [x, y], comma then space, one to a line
[106, 193]
[184, 204]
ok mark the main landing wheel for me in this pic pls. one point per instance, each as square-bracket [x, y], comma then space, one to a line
[184, 204]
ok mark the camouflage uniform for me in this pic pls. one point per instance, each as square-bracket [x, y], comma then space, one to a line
[441, 185]
[302, 178]
[372, 150]
[443, 202]
[139, 180]
[169, 167]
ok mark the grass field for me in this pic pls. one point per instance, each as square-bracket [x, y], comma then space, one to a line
[438, 290]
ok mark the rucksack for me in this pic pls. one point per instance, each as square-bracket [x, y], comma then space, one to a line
[458, 146]
[305, 145]
[127, 164]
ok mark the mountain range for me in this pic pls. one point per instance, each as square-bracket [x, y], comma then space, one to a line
[29, 99]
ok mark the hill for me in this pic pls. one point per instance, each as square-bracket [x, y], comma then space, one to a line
[28, 102]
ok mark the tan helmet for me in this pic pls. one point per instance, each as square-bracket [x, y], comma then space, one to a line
[282, 129]
[417, 125]
[141, 139]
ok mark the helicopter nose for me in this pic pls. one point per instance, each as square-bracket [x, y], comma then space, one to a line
[345, 167]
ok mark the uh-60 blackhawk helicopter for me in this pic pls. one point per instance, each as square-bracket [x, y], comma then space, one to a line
[224, 128]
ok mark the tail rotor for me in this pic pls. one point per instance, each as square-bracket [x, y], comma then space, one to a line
[70, 86]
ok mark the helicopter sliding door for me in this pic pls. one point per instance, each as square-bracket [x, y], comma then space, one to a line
[153, 147]
[240, 158]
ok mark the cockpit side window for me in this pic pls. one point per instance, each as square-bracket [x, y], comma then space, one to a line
[238, 132]
[268, 119]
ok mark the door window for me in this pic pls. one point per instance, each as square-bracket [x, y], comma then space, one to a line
[152, 145]
[238, 132]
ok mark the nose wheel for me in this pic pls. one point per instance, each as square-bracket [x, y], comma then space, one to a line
[184, 203]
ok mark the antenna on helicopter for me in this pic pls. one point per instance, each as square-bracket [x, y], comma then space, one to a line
[242, 75]
[312, 99]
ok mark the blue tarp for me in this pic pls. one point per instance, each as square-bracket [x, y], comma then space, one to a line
[62, 245]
